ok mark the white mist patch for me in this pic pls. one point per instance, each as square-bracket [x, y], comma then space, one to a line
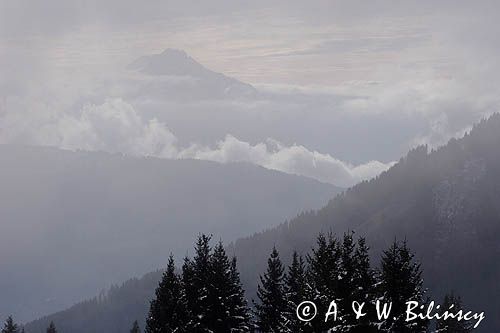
[115, 126]
[294, 159]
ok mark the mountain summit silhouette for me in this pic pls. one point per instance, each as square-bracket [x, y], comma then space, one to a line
[199, 81]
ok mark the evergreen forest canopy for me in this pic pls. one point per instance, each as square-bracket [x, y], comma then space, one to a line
[206, 295]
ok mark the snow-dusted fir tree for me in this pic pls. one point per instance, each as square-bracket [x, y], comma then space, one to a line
[214, 296]
[219, 293]
[356, 284]
[135, 328]
[295, 292]
[167, 311]
[323, 279]
[227, 310]
[196, 277]
[9, 326]
[400, 282]
[271, 309]
[365, 290]
[452, 325]
[51, 328]
[347, 284]
[241, 316]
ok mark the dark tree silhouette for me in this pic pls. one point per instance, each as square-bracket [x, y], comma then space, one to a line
[197, 281]
[347, 284]
[241, 318]
[323, 279]
[400, 282]
[227, 311]
[271, 308]
[207, 298]
[9, 326]
[135, 328]
[295, 292]
[51, 328]
[364, 289]
[167, 311]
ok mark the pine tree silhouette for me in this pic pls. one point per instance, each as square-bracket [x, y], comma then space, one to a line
[347, 284]
[135, 328]
[323, 279]
[219, 290]
[272, 306]
[241, 316]
[190, 295]
[400, 282]
[197, 280]
[51, 328]
[295, 292]
[9, 326]
[227, 310]
[365, 289]
[167, 311]
[213, 293]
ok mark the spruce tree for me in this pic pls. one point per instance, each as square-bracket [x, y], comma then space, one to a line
[51, 328]
[365, 288]
[400, 282]
[167, 311]
[295, 291]
[347, 284]
[272, 306]
[9, 326]
[135, 328]
[241, 317]
[452, 325]
[190, 295]
[213, 292]
[227, 310]
[323, 280]
[196, 275]
[218, 291]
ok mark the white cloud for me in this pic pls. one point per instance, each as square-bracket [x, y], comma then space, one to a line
[115, 126]
[294, 159]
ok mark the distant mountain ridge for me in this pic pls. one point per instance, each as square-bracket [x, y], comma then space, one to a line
[198, 81]
[170, 62]
[444, 202]
[72, 223]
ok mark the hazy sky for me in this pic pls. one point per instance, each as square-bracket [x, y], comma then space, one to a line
[347, 86]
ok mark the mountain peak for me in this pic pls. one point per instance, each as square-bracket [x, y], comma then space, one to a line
[168, 52]
[169, 62]
[206, 83]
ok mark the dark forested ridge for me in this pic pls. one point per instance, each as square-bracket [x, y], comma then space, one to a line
[73, 223]
[113, 311]
[445, 203]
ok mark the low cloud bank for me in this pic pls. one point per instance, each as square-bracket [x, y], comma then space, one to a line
[115, 126]
[294, 159]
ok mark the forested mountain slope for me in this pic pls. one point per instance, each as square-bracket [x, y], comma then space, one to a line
[444, 202]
